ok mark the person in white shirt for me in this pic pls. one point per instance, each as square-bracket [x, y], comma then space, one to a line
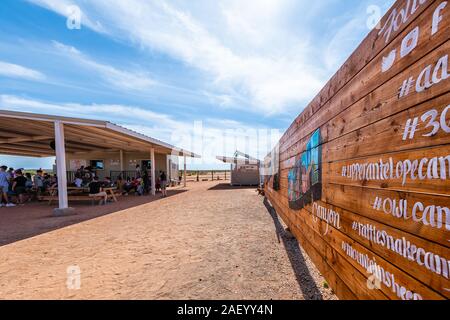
[4, 186]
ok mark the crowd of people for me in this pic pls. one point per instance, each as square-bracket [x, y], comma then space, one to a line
[17, 186]
[141, 183]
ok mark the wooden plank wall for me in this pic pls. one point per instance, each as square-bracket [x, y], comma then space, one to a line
[378, 227]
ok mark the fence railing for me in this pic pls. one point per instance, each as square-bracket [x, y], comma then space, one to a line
[210, 175]
[112, 174]
[196, 176]
[124, 174]
[70, 176]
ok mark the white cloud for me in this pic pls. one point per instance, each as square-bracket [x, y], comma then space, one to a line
[267, 56]
[348, 36]
[272, 77]
[111, 112]
[135, 81]
[63, 8]
[17, 71]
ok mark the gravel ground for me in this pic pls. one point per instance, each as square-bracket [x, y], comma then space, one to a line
[210, 242]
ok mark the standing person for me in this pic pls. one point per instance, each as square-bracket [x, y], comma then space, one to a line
[87, 175]
[163, 181]
[81, 170]
[11, 176]
[38, 182]
[158, 184]
[19, 186]
[29, 184]
[4, 187]
[138, 171]
[54, 181]
[146, 181]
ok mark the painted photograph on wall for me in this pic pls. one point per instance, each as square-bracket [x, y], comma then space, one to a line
[305, 179]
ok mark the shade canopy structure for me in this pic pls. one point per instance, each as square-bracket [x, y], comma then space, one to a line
[32, 135]
[39, 135]
[239, 158]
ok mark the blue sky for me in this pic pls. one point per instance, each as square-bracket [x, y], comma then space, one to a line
[161, 67]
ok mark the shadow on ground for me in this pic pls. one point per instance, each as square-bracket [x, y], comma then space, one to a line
[36, 218]
[227, 186]
[305, 280]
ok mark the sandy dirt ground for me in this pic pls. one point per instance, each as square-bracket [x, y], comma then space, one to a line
[209, 242]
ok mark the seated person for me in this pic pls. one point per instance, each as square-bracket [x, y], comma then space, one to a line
[136, 182]
[47, 180]
[120, 183]
[19, 186]
[126, 185]
[140, 188]
[107, 183]
[96, 191]
[129, 186]
[78, 182]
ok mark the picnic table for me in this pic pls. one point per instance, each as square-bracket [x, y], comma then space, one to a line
[111, 193]
[78, 194]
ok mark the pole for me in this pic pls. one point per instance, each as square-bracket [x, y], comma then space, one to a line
[153, 170]
[184, 183]
[61, 166]
[121, 161]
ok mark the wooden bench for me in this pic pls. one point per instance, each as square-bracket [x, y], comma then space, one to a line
[75, 198]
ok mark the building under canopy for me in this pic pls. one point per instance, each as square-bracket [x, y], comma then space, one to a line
[244, 169]
[107, 147]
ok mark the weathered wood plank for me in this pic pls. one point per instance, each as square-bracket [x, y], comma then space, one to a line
[320, 232]
[420, 170]
[338, 286]
[335, 261]
[382, 237]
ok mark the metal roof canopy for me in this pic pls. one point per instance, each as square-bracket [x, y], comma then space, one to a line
[34, 135]
[244, 160]
[28, 134]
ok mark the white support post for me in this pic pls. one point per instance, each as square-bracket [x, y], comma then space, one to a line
[184, 175]
[61, 166]
[121, 162]
[152, 158]
[168, 173]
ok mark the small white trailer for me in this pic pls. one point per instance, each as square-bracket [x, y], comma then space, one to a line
[244, 169]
